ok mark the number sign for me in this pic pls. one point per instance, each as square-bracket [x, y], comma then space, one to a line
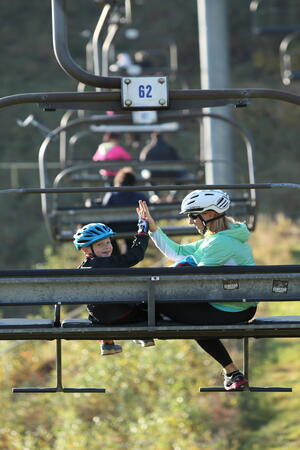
[144, 92]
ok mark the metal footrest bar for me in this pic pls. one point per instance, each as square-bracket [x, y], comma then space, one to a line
[56, 389]
[246, 373]
[59, 386]
[250, 388]
[91, 390]
[36, 390]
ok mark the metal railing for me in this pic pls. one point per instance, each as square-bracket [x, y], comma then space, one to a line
[14, 169]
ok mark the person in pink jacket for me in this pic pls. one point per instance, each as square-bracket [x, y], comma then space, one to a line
[110, 149]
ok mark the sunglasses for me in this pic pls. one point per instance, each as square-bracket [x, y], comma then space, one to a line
[193, 216]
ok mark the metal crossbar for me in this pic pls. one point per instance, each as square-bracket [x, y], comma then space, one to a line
[200, 284]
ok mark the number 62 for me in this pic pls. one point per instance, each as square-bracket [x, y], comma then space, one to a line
[145, 91]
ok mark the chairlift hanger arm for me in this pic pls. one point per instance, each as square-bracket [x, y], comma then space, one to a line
[63, 56]
[103, 19]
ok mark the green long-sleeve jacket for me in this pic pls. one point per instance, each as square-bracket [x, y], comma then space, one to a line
[228, 247]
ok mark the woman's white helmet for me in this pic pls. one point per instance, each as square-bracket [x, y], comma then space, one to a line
[204, 200]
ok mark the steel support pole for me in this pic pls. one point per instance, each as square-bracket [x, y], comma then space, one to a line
[214, 74]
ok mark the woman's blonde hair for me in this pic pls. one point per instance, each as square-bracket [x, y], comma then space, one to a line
[220, 224]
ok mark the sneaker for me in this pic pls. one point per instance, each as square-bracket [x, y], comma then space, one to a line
[110, 349]
[145, 342]
[234, 381]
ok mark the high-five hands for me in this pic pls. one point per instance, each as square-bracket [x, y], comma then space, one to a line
[144, 214]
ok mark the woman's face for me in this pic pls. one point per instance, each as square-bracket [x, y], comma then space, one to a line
[197, 222]
[102, 249]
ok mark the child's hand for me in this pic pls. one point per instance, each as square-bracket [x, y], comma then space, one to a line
[144, 213]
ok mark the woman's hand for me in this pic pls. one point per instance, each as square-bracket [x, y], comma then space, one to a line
[144, 213]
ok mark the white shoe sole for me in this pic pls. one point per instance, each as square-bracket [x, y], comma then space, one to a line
[145, 343]
[110, 352]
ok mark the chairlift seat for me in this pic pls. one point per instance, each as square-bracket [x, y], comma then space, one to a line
[275, 29]
[259, 321]
[26, 323]
[275, 320]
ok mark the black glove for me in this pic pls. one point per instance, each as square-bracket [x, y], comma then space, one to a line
[143, 226]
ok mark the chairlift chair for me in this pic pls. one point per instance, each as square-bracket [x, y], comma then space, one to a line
[64, 217]
[274, 17]
[146, 62]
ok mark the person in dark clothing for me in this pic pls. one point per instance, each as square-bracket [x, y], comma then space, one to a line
[159, 150]
[125, 177]
[94, 240]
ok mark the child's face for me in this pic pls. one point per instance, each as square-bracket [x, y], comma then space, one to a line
[102, 249]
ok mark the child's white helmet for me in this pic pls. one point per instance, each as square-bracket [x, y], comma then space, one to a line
[204, 200]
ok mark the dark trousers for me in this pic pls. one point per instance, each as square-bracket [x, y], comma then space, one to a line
[117, 314]
[205, 314]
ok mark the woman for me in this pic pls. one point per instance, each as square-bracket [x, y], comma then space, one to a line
[224, 243]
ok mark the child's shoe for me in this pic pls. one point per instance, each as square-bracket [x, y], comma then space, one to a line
[235, 381]
[110, 349]
[145, 342]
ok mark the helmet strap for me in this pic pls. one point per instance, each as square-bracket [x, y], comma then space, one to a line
[205, 222]
[204, 230]
[93, 253]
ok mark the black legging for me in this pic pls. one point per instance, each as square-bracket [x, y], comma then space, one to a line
[205, 314]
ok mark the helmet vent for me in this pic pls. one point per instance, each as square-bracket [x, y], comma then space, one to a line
[222, 202]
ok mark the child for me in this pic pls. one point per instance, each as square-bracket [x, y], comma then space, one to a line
[94, 241]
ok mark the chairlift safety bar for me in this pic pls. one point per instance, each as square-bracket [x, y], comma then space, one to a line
[147, 188]
[179, 99]
[159, 127]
